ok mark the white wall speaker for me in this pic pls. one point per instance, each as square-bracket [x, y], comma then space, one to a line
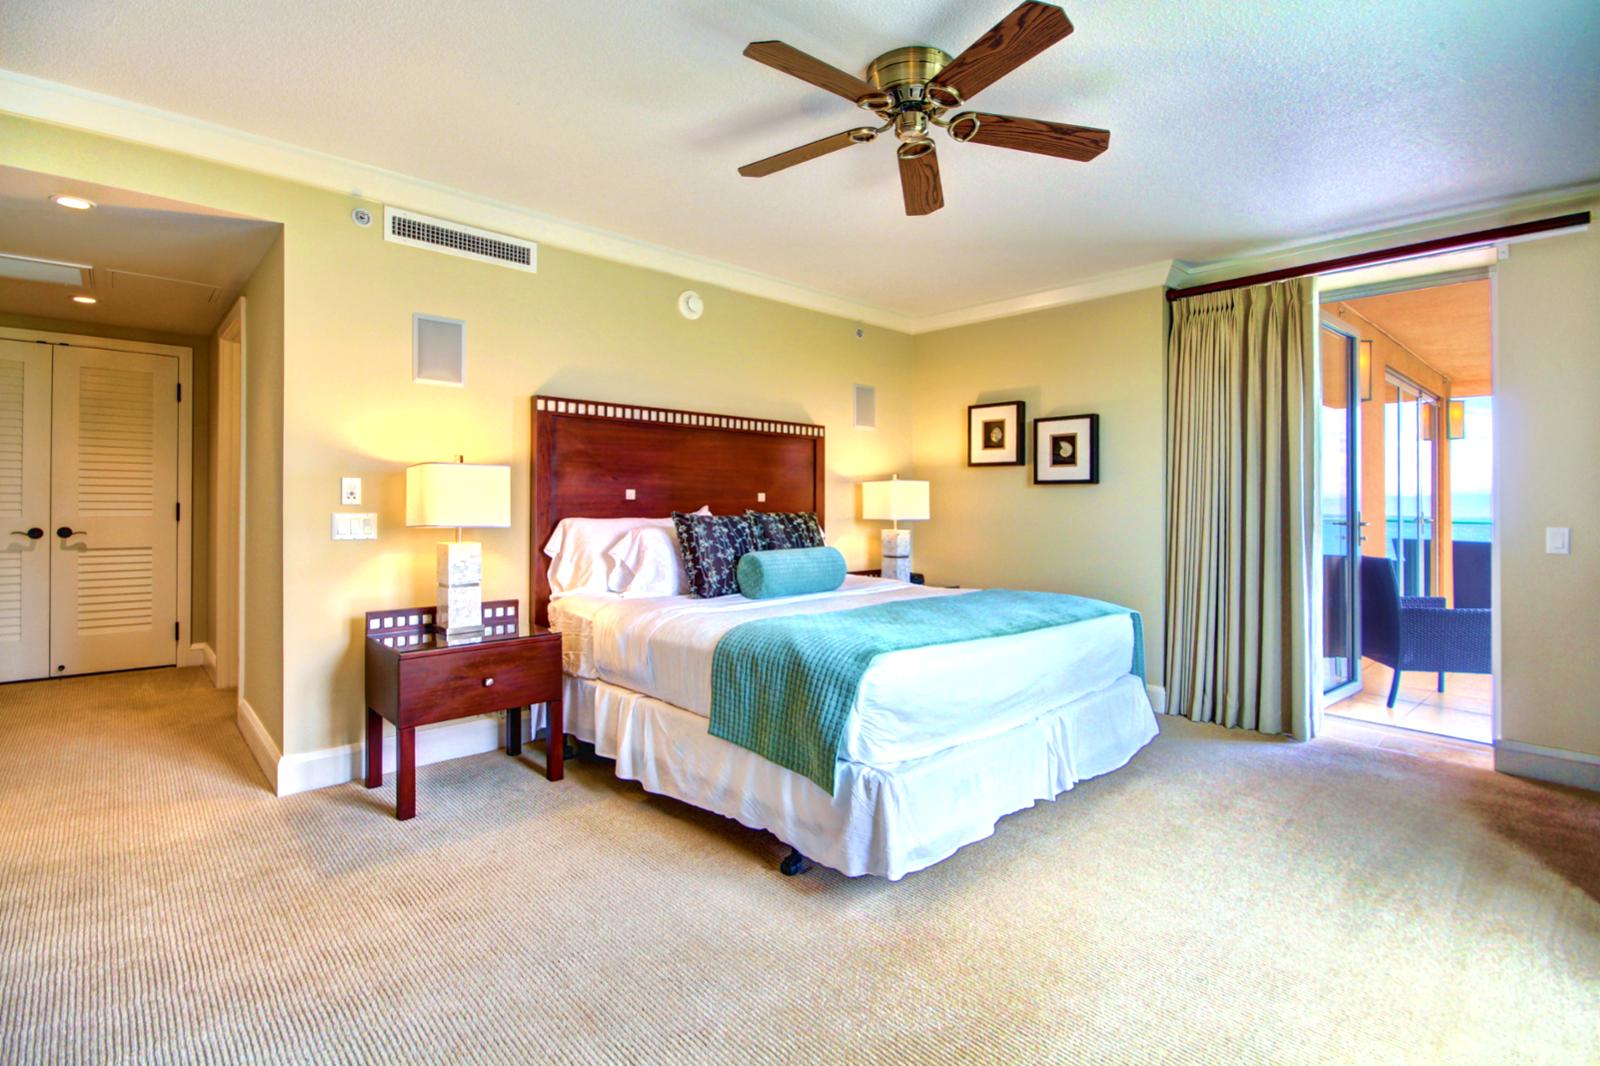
[866, 416]
[438, 350]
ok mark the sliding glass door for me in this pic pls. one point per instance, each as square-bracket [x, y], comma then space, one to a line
[1410, 469]
[1341, 513]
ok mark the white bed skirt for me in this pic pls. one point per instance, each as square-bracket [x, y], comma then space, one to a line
[888, 822]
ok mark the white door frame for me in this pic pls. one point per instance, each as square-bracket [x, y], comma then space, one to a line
[227, 503]
[189, 653]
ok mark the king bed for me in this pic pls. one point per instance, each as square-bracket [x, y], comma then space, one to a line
[941, 738]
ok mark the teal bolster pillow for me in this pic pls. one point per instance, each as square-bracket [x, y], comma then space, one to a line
[766, 575]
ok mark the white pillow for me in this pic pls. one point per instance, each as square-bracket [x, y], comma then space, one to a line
[648, 562]
[577, 550]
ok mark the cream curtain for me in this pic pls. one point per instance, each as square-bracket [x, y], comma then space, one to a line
[1242, 535]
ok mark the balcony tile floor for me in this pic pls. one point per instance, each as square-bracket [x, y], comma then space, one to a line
[1461, 711]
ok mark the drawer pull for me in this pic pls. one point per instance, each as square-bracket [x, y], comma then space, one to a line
[488, 682]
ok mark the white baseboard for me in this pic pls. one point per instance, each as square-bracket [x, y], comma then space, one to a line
[261, 745]
[208, 659]
[195, 655]
[1158, 697]
[1557, 765]
[309, 770]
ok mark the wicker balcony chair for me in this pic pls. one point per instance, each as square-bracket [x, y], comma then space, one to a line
[1418, 632]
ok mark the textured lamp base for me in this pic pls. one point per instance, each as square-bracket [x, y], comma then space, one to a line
[458, 610]
[897, 554]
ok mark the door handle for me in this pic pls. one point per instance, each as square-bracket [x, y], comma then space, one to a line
[67, 531]
[32, 534]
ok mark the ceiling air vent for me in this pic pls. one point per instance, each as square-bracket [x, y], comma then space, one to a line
[452, 238]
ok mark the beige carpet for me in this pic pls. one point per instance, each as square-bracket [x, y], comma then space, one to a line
[1223, 899]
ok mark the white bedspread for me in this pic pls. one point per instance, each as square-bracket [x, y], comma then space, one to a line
[911, 703]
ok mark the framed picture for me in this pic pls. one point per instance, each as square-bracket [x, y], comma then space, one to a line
[1066, 450]
[995, 434]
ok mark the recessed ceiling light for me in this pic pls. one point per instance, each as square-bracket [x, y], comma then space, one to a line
[84, 300]
[75, 203]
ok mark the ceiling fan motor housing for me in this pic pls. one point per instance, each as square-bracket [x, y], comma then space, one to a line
[904, 73]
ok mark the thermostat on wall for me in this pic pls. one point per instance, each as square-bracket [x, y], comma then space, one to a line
[690, 305]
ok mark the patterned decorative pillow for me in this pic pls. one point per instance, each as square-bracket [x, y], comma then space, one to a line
[712, 546]
[777, 530]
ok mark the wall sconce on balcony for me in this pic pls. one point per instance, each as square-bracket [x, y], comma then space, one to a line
[1364, 370]
[1456, 420]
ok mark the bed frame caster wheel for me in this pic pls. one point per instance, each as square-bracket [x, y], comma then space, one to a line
[794, 863]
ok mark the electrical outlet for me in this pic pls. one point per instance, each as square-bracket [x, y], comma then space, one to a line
[348, 526]
[350, 491]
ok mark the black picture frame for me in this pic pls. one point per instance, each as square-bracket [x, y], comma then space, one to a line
[982, 450]
[1066, 450]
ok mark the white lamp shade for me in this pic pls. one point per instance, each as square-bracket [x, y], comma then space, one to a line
[894, 501]
[458, 494]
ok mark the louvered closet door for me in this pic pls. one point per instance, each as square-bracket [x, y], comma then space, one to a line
[24, 507]
[114, 478]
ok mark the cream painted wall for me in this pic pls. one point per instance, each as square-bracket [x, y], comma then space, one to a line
[331, 396]
[1546, 438]
[580, 326]
[262, 666]
[994, 527]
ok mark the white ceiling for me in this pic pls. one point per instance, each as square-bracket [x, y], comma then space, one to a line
[1235, 126]
[157, 264]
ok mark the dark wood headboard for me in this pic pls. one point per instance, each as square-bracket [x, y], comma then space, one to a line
[588, 455]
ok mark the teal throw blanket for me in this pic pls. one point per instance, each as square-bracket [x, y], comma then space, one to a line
[785, 687]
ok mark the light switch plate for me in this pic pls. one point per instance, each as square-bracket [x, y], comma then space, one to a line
[1557, 540]
[350, 491]
[761, 497]
[630, 494]
[348, 526]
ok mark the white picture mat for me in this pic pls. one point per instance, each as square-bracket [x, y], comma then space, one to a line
[1044, 430]
[979, 456]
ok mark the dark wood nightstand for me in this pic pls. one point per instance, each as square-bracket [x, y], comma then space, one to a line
[415, 677]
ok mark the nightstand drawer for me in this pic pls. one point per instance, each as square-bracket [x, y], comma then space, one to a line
[466, 681]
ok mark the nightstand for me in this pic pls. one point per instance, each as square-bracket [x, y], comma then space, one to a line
[415, 677]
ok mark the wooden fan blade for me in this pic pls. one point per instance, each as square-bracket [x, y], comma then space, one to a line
[919, 183]
[783, 160]
[796, 63]
[1014, 40]
[1059, 139]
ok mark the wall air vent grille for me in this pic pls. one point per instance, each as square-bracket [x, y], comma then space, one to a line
[452, 238]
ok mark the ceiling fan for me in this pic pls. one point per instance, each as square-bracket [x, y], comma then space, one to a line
[916, 88]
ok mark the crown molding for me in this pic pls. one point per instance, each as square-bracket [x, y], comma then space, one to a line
[109, 116]
[1354, 242]
[1148, 276]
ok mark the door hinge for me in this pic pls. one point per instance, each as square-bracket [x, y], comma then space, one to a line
[174, 631]
[177, 512]
[180, 392]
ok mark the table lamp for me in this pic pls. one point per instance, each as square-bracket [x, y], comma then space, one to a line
[895, 501]
[459, 494]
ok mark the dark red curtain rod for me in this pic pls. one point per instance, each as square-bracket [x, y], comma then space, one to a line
[1387, 255]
